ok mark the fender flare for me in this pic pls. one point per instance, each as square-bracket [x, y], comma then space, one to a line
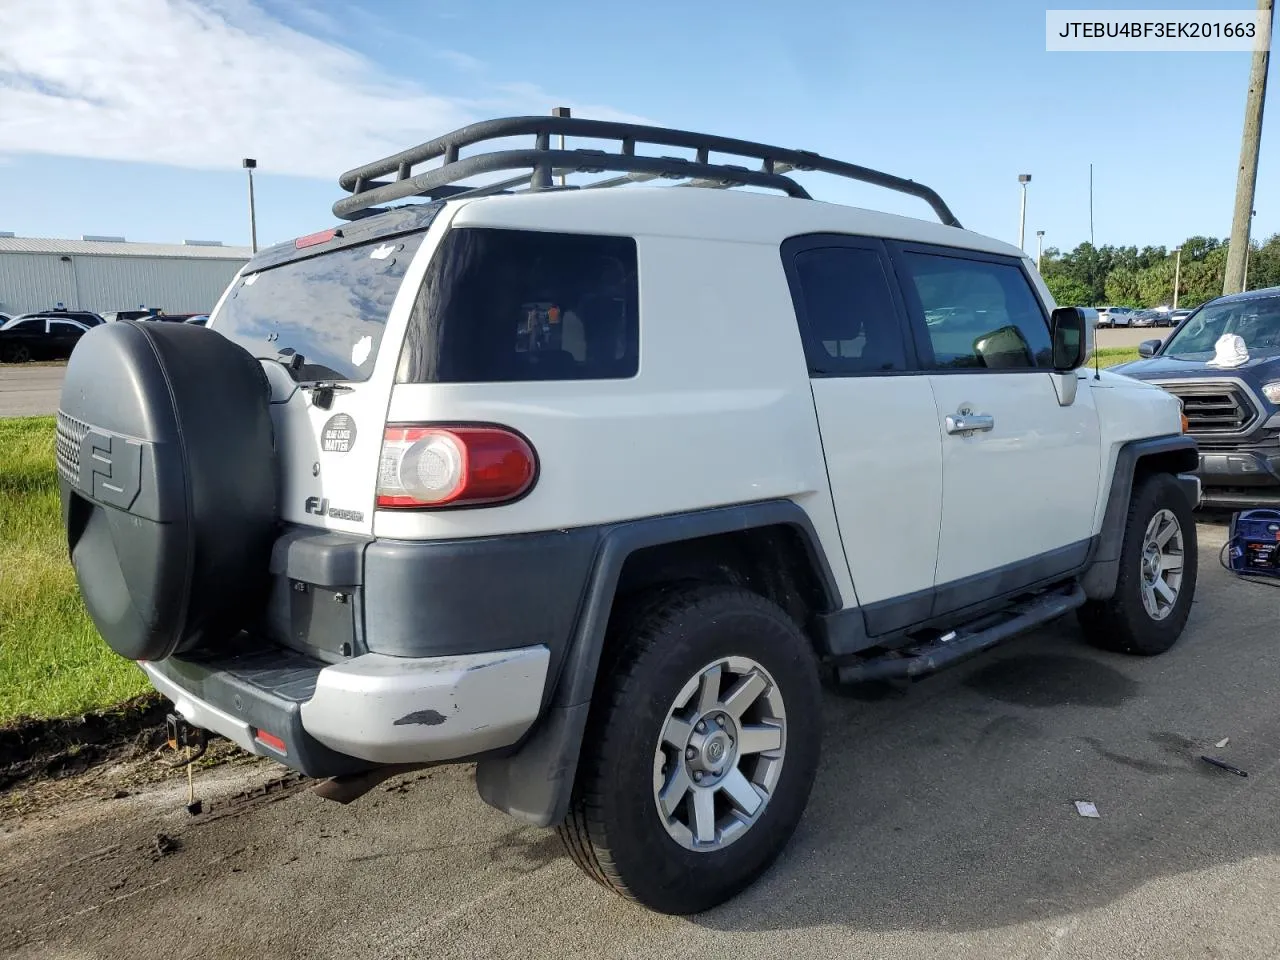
[535, 783]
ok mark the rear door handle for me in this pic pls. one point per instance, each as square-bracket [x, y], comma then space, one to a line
[969, 422]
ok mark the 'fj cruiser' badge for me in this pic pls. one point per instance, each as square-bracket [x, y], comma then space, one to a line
[339, 434]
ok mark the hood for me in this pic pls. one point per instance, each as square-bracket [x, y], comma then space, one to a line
[1162, 368]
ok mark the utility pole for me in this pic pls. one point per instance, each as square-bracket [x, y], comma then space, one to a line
[1177, 273]
[249, 163]
[1039, 248]
[1247, 175]
[1024, 179]
[1248, 246]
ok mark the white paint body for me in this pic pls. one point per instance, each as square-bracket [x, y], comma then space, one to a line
[723, 410]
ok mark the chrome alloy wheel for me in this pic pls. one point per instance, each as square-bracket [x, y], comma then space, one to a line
[719, 754]
[1162, 559]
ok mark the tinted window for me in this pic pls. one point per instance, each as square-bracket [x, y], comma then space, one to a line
[847, 310]
[60, 328]
[514, 305]
[28, 326]
[332, 308]
[979, 314]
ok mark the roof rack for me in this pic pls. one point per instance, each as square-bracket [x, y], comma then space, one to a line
[542, 163]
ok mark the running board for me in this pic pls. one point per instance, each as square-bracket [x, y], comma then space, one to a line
[964, 642]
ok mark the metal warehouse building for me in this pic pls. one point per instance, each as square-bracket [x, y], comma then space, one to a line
[106, 273]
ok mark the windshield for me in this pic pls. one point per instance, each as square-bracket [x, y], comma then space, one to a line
[330, 309]
[1257, 322]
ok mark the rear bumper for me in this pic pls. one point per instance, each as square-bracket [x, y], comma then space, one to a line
[373, 709]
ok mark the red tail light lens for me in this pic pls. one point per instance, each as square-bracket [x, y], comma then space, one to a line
[453, 466]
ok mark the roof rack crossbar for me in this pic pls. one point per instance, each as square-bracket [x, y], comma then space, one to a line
[367, 191]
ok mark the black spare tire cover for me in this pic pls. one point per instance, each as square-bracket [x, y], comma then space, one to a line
[167, 469]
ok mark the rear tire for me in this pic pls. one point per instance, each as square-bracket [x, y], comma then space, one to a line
[16, 354]
[749, 734]
[1157, 578]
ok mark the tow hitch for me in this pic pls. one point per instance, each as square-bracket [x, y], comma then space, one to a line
[189, 743]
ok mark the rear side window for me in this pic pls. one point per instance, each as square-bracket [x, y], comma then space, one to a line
[331, 308]
[979, 315]
[517, 305]
[28, 326]
[849, 319]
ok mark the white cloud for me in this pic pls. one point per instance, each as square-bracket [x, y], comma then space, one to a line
[203, 83]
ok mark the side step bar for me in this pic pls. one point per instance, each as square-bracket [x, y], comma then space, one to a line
[962, 643]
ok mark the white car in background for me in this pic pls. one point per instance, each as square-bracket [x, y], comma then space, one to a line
[1115, 316]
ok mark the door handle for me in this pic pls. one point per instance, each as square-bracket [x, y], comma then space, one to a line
[969, 422]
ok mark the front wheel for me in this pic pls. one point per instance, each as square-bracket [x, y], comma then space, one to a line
[1157, 579]
[16, 354]
[700, 752]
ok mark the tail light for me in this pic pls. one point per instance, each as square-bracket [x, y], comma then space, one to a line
[453, 466]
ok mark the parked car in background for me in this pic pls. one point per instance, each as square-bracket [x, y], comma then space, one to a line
[1115, 316]
[200, 319]
[4, 319]
[113, 316]
[85, 317]
[39, 338]
[1177, 316]
[1148, 318]
[1233, 411]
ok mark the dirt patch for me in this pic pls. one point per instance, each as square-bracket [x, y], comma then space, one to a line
[38, 749]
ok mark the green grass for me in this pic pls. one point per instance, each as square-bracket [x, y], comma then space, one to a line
[1110, 356]
[52, 661]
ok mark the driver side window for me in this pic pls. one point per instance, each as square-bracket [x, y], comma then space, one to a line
[979, 315]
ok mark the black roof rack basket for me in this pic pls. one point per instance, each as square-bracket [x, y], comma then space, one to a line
[542, 164]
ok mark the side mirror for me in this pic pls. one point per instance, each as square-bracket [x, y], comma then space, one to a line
[1148, 348]
[1067, 327]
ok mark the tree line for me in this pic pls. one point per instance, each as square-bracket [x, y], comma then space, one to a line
[1126, 276]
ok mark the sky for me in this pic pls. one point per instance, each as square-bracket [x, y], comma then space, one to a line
[130, 117]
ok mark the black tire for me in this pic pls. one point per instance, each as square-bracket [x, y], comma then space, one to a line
[613, 830]
[16, 353]
[1123, 623]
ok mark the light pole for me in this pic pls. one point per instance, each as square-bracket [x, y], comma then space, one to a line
[1039, 248]
[1177, 272]
[1024, 179]
[249, 164]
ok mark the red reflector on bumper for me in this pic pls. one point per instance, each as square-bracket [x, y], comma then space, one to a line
[270, 740]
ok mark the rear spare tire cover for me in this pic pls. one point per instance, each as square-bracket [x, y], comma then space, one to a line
[167, 470]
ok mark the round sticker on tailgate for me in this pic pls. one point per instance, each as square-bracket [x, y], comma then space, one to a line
[339, 434]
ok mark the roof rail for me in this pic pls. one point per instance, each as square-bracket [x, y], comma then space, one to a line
[544, 163]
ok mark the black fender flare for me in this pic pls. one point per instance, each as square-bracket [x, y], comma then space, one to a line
[535, 783]
[1176, 454]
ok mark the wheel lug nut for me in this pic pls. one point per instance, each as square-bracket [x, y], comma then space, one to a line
[690, 753]
[697, 775]
[720, 721]
[701, 727]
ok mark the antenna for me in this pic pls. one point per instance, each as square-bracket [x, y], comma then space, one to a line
[1091, 205]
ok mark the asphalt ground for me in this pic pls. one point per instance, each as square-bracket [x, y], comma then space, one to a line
[942, 825]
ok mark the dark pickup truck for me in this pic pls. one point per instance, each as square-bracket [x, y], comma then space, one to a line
[1232, 411]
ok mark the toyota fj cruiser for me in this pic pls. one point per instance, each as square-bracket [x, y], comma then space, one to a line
[589, 486]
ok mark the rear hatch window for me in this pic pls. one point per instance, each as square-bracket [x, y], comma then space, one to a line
[332, 308]
[517, 305]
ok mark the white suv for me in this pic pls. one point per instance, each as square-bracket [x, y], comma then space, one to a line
[1115, 316]
[591, 486]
